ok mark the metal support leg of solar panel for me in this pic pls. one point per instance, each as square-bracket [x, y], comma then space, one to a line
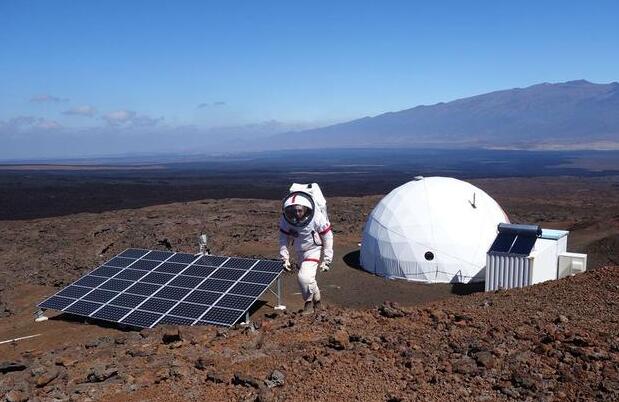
[144, 288]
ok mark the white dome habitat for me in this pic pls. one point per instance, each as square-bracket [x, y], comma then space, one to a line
[435, 229]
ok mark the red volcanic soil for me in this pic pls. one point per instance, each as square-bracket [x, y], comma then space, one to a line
[553, 341]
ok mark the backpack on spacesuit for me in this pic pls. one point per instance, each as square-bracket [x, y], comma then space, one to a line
[313, 190]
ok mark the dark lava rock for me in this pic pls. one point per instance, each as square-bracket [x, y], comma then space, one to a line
[246, 381]
[390, 310]
[215, 377]
[99, 373]
[7, 367]
[276, 379]
[170, 335]
[485, 359]
[16, 396]
[46, 377]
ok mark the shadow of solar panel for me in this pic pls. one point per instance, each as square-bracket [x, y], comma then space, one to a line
[91, 281]
[170, 267]
[203, 297]
[117, 285]
[503, 242]
[268, 266]
[189, 310]
[249, 289]
[111, 313]
[133, 253]
[142, 319]
[183, 258]
[74, 292]
[106, 271]
[172, 292]
[239, 263]
[56, 302]
[158, 278]
[127, 300]
[130, 274]
[228, 273]
[119, 262]
[222, 316]
[157, 305]
[523, 245]
[100, 296]
[172, 320]
[145, 265]
[216, 285]
[145, 289]
[199, 271]
[260, 277]
[210, 260]
[82, 307]
[157, 255]
[186, 281]
[235, 302]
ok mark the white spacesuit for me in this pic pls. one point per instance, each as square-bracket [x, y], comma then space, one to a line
[307, 228]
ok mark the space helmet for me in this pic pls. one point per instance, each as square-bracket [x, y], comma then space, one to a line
[298, 208]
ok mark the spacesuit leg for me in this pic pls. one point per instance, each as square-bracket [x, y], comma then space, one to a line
[307, 276]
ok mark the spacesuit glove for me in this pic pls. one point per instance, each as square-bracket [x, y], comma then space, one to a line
[286, 265]
[325, 266]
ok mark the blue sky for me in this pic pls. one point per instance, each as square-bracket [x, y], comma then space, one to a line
[89, 68]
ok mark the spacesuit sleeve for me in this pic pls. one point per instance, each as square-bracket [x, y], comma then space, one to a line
[326, 235]
[283, 240]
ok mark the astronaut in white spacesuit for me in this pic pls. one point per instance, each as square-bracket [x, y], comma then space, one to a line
[307, 229]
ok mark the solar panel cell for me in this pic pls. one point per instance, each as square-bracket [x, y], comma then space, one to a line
[239, 263]
[260, 277]
[100, 296]
[111, 313]
[117, 285]
[90, 281]
[158, 278]
[158, 255]
[133, 253]
[235, 302]
[170, 267]
[145, 289]
[74, 292]
[56, 302]
[127, 300]
[503, 242]
[222, 316]
[228, 274]
[82, 307]
[216, 285]
[172, 320]
[107, 272]
[157, 305]
[249, 289]
[199, 270]
[203, 297]
[189, 310]
[523, 245]
[172, 292]
[183, 258]
[130, 274]
[210, 260]
[268, 266]
[142, 319]
[186, 281]
[145, 265]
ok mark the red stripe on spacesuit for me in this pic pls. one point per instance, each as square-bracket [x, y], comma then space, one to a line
[294, 198]
[311, 259]
[327, 230]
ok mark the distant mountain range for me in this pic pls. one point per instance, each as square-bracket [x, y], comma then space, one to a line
[573, 114]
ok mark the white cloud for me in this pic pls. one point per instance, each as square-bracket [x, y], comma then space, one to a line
[48, 124]
[209, 104]
[129, 118]
[21, 123]
[119, 116]
[43, 98]
[84, 110]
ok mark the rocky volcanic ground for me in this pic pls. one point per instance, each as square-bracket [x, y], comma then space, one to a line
[553, 341]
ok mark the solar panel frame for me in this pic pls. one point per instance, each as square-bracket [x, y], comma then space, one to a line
[131, 290]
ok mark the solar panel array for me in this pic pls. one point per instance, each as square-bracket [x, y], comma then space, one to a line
[143, 288]
[513, 243]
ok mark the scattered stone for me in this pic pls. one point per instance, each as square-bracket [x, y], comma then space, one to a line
[66, 361]
[339, 340]
[99, 373]
[45, 378]
[16, 396]
[390, 310]
[203, 363]
[485, 359]
[246, 381]
[170, 335]
[465, 365]
[561, 319]
[265, 395]
[276, 379]
[7, 367]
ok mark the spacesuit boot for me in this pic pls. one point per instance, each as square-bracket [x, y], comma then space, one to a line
[308, 308]
[317, 306]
